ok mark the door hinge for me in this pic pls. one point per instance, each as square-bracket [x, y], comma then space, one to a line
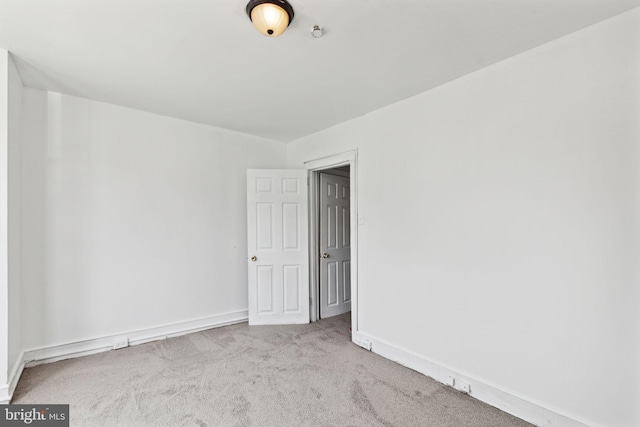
[310, 301]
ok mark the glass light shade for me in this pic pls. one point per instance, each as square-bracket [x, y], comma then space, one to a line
[270, 19]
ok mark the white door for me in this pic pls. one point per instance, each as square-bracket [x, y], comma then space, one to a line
[335, 246]
[278, 246]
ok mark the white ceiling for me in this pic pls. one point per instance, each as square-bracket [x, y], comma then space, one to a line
[202, 60]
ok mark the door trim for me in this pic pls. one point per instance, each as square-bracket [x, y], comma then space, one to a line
[315, 167]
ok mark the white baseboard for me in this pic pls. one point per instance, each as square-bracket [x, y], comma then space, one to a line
[6, 391]
[504, 400]
[96, 345]
[362, 341]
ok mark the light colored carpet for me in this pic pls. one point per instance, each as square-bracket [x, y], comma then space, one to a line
[304, 375]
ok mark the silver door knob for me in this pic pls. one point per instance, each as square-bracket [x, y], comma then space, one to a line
[325, 255]
[254, 258]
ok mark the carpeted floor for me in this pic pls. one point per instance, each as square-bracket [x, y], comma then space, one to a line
[304, 375]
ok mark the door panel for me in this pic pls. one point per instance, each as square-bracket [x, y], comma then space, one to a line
[290, 218]
[278, 259]
[264, 227]
[335, 270]
[265, 288]
[291, 288]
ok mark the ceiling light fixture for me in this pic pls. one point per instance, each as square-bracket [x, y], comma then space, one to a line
[270, 17]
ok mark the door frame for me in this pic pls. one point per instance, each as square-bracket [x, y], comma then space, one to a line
[314, 167]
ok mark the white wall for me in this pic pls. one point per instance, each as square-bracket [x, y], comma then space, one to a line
[131, 220]
[502, 221]
[4, 282]
[14, 214]
[10, 195]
